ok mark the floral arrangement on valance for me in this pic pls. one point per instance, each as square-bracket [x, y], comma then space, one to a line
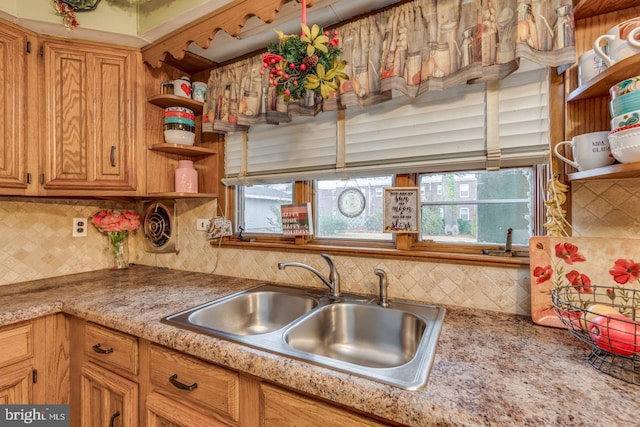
[417, 47]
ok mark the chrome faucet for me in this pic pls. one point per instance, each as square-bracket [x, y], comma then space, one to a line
[333, 281]
[383, 301]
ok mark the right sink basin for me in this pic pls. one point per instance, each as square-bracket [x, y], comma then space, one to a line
[395, 345]
[362, 334]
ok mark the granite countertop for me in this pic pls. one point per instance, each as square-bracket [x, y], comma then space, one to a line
[490, 369]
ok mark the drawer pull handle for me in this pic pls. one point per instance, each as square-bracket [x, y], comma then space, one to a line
[182, 386]
[113, 418]
[101, 350]
[112, 156]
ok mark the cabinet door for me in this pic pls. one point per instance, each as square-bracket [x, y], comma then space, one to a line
[165, 412]
[280, 408]
[15, 385]
[107, 399]
[13, 86]
[91, 118]
[203, 387]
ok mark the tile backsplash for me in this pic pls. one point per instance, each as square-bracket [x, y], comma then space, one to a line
[37, 243]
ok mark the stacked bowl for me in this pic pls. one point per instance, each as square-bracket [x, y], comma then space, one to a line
[179, 126]
[624, 138]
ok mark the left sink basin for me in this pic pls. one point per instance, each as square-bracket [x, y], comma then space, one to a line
[255, 311]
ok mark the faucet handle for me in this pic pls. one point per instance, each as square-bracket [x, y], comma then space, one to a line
[334, 276]
[383, 301]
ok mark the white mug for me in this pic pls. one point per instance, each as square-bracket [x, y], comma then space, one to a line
[199, 91]
[590, 151]
[623, 41]
[589, 66]
[180, 87]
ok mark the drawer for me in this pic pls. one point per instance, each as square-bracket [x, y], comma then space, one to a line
[16, 343]
[279, 407]
[205, 386]
[111, 348]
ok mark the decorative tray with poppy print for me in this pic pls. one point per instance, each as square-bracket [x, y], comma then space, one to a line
[580, 262]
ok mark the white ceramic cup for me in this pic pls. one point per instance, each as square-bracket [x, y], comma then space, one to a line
[180, 87]
[199, 91]
[589, 66]
[622, 41]
[590, 151]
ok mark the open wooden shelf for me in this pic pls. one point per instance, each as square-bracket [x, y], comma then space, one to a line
[600, 84]
[623, 170]
[166, 100]
[589, 8]
[174, 195]
[184, 150]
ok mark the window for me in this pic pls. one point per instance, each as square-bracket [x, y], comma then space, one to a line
[464, 214]
[259, 207]
[502, 199]
[464, 190]
[491, 181]
[351, 209]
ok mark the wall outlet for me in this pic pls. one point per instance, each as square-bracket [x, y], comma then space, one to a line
[79, 227]
[202, 224]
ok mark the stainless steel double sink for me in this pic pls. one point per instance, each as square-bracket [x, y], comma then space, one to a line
[393, 345]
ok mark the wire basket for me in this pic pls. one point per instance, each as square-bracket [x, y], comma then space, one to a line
[606, 319]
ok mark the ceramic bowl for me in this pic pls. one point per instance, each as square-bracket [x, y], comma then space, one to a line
[626, 86]
[179, 120]
[181, 137]
[625, 145]
[624, 120]
[179, 126]
[181, 109]
[622, 129]
[625, 103]
[179, 114]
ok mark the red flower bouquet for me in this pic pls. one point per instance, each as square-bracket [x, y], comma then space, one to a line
[117, 224]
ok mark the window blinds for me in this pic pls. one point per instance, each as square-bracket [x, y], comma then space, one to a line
[481, 126]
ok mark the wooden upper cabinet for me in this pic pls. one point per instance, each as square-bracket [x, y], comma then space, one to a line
[13, 112]
[92, 119]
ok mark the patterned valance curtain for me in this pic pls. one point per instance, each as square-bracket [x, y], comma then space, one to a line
[417, 47]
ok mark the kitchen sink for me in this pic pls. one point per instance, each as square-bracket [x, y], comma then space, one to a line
[253, 312]
[361, 334]
[394, 345]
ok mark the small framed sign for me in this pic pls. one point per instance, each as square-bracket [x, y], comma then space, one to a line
[401, 210]
[296, 219]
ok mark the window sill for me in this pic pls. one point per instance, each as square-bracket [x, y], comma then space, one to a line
[382, 252]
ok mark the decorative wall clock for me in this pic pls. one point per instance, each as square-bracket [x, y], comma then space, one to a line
[351, 202]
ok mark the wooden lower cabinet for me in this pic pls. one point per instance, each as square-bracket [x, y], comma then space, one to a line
[34, 362]
[105, 388]
[119, 380]
[199, 390]
[281, 408]
[165, 412]
[16, 385]
[107, 399]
